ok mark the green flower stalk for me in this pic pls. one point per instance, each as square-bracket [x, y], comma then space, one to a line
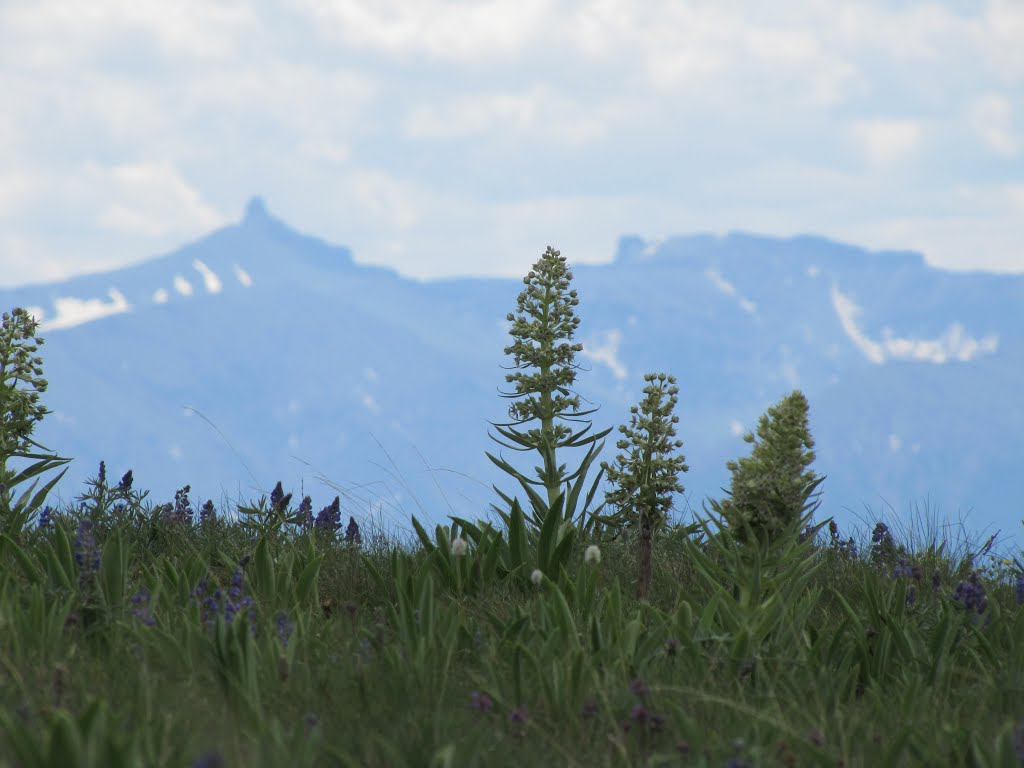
[543, 341]
[771, 487]
[647, 475]
[21, 384]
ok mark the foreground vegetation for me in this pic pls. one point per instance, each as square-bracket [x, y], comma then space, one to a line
[557, 631]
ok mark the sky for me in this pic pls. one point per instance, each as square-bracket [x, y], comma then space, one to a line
[461, 138]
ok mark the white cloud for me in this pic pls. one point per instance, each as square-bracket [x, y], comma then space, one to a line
[64, 33]
[446, 30]
[242, 276]
[370, 404]
[736, 427]
[160, 296]
[538, 112]
[886, 142]
[992, 119]
[953, 344]
[127, 129]
[895, 443]
[149, 199]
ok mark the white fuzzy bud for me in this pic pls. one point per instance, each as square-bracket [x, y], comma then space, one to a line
[592, 555]
[459, 547]
[537, 577]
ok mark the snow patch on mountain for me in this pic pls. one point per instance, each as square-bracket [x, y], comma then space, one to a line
[607, 352]
[729, 289]
[71, 311]
[182, 286]
[954, 343]
[210, 280]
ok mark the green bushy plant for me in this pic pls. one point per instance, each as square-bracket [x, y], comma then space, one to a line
[647, 475]
[771, 487]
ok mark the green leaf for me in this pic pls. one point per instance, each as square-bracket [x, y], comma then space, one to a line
[113, 573]
[306, 585]
[421, 532]
[517, 538]
[32, 573]
[265, 577]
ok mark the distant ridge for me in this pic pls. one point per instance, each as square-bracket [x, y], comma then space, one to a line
[259, 353]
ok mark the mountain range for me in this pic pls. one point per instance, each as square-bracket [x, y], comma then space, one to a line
[259, 354]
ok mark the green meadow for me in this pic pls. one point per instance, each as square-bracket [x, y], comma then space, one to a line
[572, 623]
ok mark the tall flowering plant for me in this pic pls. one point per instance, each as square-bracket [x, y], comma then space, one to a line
[21, 384]
[646, 475]
[542, 331]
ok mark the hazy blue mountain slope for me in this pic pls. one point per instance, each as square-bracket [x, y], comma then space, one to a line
[302, 361]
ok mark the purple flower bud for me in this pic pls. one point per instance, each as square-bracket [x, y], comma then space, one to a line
[352, 535]
[481, 702]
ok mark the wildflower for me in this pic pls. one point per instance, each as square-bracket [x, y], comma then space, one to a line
[126, 482]
[329, 518]
[671, 646]
[278, 499]
[102, 477]
[639, 688]
[459, 547]
[816, 737]
[209, 760]
[228, 606]
[1020, 589]
[881, 535]
[537, 577]
[306, 513]
[848, 548]
[639, 713]
[592, 555]
[519, 715]
[207, 515]
[140, 607]
[903, 569]
[181, 511]
[589, 710]
[936, 581]
[310, 720]
[46, 517]
[87, 553]
[970, 594]
[352, 535]
[284, 628]
[481, 702]
[911, 595]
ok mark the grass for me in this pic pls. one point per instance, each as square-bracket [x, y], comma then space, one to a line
[134, 634]
[391, 652]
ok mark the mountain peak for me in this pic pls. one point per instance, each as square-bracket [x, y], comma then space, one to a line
[256, 210]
